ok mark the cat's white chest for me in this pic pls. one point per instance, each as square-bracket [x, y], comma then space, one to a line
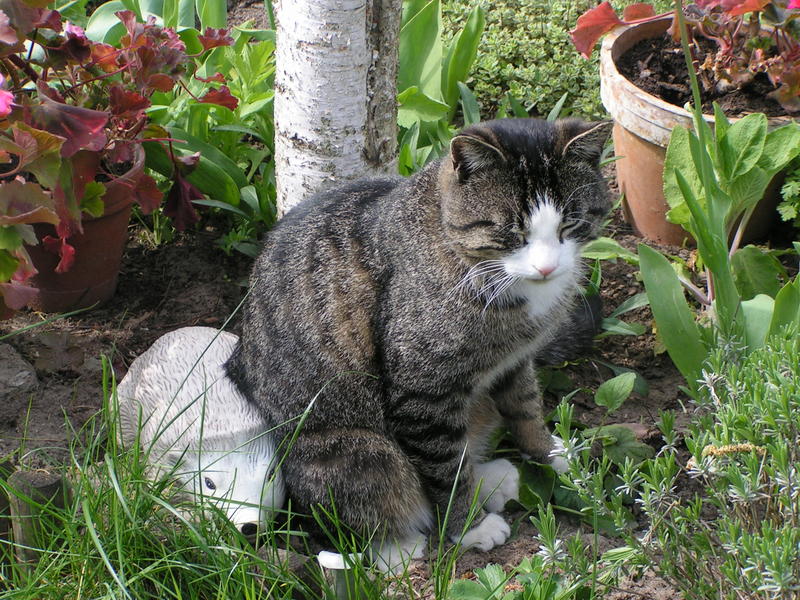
[542, 298]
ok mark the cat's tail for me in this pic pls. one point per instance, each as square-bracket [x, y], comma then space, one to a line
[575, 336]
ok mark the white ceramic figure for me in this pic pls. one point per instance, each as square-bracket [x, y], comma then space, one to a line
[195, 425]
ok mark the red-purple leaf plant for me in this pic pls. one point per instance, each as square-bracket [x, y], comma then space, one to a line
[72, 121]
[749, 37]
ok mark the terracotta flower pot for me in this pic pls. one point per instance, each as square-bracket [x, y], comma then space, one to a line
[92, 279]
[643, 123]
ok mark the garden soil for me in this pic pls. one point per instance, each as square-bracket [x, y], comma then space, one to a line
[190, 281]
[658, 67]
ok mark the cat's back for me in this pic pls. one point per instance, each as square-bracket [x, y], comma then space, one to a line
[338, 214]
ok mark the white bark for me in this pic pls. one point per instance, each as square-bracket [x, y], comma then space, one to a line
[335, 110]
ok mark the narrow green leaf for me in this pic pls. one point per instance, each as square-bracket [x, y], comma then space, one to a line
[461, 56]
[555, 112]
[469, 105]
[786, 310]
[632, 303]
[674, 318]
[614, 326]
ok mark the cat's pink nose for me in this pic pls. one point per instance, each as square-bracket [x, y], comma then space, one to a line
[546, 269]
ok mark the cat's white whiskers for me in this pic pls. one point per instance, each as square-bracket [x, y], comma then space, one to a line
[500, 287]
[482, 270]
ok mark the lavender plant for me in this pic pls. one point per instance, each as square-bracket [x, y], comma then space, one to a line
[736, 532]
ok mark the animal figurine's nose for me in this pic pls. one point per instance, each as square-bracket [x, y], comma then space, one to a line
[249, 529]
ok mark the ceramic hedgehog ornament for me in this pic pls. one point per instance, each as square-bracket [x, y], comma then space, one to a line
[192, 423]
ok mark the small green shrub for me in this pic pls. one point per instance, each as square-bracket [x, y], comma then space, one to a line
[736, 532]
[526, 51]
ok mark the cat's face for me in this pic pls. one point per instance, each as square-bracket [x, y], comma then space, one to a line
[520, 197]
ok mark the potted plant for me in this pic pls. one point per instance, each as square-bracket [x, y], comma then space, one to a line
[72, 123]
[732, 50]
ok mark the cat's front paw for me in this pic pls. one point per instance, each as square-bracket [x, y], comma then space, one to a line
[558, 458]
[499, 483]
[490, 532]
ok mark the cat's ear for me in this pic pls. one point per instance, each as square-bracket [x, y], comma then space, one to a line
[470, 153]
[583, 140]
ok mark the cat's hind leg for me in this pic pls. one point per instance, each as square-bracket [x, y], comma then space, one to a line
[363, 478]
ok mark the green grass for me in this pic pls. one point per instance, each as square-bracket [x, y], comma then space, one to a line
[121, 535]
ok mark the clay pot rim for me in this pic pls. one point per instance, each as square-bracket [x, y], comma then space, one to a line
[637, 112]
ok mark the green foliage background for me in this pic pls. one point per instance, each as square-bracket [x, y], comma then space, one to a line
[526, 50]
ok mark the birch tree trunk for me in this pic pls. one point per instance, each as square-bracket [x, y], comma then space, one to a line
[335, 89]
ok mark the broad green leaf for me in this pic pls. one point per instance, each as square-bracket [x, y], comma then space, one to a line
[746, 190]
[92, 201]
[493, 578]
[756, 272]
[619, 443]
[605, 248]
[207, 176]
[420, 51]
[210, 153]
[615, 391]
[743, 144]
[536, 484]
[104, 26]
[469, 105]
[8, 266]
[780, 147]
[212, 13]
[757, 318]
[786, 310]
[460, 58]
[190, 37]
[466, 589]
[673, 316]
[10, 239]
[640, 386]
[679, 156]
[185, 13]
[415, 106]
[153, 8]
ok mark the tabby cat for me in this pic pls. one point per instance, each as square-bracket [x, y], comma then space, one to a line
[408, 313]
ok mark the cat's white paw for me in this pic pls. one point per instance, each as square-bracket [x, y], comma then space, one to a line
[557, 458]
[490, 532]
[499, 483]
[392, 557]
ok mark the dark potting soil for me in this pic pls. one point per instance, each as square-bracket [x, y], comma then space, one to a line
[658, 67]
